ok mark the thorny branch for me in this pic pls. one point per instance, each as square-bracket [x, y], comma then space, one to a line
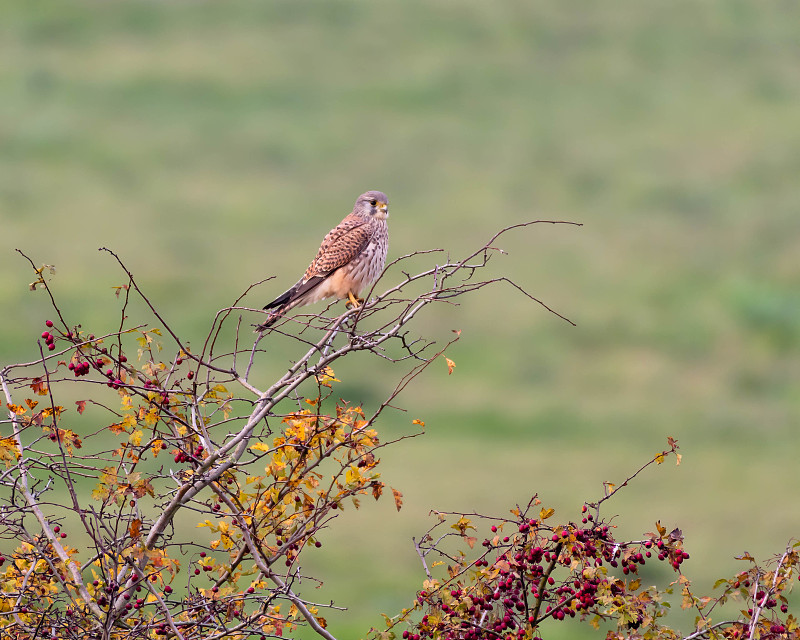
[213, 417]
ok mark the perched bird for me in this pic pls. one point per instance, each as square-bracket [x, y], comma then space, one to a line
[349, 260]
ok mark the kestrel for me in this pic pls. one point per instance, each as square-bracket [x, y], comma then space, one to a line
[349, 260]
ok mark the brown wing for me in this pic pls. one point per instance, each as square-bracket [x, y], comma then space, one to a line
[342, 244]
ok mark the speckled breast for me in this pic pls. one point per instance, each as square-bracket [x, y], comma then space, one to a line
[364, 270]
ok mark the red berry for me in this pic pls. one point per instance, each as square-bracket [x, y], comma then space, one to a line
[48, 323]
[51, 347]
[45, 335]
[190, 375]
[167, 589]
[56, 529]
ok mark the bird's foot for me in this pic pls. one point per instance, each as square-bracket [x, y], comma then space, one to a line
[352, 301]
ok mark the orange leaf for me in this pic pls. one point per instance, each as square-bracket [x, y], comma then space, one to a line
[39, 387]
[81, 405]
[135, 528]
[450, 365]
[398, 498]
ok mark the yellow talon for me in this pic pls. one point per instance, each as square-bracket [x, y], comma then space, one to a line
[353, 302]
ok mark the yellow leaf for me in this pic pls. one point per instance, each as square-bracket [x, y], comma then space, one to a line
[260, 446]
[352, 476]
[430, 585]
[544, 514]
[450, 365]
[151, 417]
[419, 422]
[8, 450]
[462, 525]
[135, 438]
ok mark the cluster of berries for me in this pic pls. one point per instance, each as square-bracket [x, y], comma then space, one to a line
[79, 369]
[49, 338]
[520, 588]
[181, 456]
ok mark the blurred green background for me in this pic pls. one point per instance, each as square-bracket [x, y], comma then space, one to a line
[213, 144]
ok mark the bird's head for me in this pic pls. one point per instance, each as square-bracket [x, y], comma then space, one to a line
[372, 204]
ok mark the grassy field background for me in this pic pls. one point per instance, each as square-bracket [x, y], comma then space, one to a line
[213, 144]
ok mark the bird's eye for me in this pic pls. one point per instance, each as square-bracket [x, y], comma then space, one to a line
[373, 202]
